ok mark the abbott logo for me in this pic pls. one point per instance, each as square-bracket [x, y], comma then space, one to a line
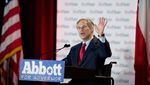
[42, 70]
[31, 68]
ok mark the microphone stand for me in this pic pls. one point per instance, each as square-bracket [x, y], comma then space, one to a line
[65, 46]
[57, 50]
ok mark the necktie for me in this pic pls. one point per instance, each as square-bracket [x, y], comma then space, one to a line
[82, 50]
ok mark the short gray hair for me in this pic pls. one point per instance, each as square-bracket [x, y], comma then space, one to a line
[89, 22]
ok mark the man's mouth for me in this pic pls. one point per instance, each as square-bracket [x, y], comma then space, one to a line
[82, 33]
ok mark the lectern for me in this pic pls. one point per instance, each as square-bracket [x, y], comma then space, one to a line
[78, 73]
[81, 73]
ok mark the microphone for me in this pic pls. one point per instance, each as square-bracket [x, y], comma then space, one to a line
[65, 46]
[46, 53]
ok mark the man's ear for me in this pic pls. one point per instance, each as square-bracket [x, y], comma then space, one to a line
[92, 30]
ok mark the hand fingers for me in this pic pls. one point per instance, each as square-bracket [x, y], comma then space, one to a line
[102, 20]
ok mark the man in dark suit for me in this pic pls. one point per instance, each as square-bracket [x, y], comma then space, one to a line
[92, 51]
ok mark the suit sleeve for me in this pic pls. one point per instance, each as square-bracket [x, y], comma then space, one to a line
[108, 49]
[68, 59]
[105, 49]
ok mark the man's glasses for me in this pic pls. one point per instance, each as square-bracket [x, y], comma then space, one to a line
[82, 27]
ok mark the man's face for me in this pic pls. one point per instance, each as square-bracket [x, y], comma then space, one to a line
[84, 31]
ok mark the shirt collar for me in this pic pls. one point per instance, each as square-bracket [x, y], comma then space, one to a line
[87, 42]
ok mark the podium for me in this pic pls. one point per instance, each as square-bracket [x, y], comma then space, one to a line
[78, 73]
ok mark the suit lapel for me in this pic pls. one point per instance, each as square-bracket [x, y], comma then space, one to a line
[77, 54]
[89, 49]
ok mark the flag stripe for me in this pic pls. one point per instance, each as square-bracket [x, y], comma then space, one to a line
[148, 37]
[141, 18]
[10, 39]
[15, 79]
[12, 20]
[12, 12]
[10, 50]
[4, 72]
[2, 77]
[12, 29]
[11, 47]
[141, 58]
[12, 4]
[141, 49]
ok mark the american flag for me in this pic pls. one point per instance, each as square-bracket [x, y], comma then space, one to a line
[11, 45]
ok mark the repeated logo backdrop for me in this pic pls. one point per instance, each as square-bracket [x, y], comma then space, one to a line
[120, 31]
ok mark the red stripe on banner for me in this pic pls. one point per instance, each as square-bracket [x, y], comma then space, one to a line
[10, 47]
[11, 13]
[11, 29]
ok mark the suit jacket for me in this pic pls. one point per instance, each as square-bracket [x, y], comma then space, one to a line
[94, 56]
[93, 59]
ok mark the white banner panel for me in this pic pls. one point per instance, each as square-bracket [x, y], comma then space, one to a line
[120, 31]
